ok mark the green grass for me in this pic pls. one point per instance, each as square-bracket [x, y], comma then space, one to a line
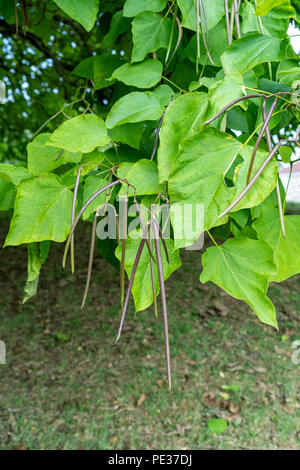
[66, 386]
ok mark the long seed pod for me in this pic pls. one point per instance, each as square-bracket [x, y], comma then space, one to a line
[162, 239]
[237, 18]
[237, 100]
[123, 237]
[157, 135]
[260, 136]
[261, 30]
[152, 276]
[177, 44]
[232, 15]
[118, 229]
[203, 17]
[138, 209]
[163, 299]
[59, 155]
[227, 21]
[172, 34]
[158, 131]
[91, 258]
[257, 174]
[269, 141]
[73, 217]
[133, 272]
[198, 31]
[74, 208]
[88, 202]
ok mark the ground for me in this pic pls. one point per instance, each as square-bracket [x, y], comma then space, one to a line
[67, 386]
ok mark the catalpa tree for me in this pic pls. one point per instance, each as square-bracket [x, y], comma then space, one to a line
[128, 108]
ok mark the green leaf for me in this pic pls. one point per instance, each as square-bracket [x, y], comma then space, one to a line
[285, 153]
[37, 256]
[163, 93]
[96, 156]
[62, 337]
[134, 107]
[150, 32]
[13, 174]
[7, 195]
[264, 6]
[42, 211]
[241, 217]
[104, 65]
[274, 24]
[134, 7]
[7, 10]
[187, 220]
[249, 51]
[85, 68]
[99, 69]
[143, 175]
[217, 425]
[264, 184]
[223, 92]
[92, 184]
[288, 73]
[81, 134]
[217, 44]
[286, 251]
[119, 25]
[269, 203]
[241, 267]
[183, 118]
[142, 286]
[143, 75]
[83, 12]
[239, 120]
[214, 10]
[199, 171]
[43, 159]
[250, 22]
[130, 134]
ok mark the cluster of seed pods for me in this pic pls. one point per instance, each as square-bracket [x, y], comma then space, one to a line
[151, 230]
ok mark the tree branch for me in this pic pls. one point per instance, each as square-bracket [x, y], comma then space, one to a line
[8, 30]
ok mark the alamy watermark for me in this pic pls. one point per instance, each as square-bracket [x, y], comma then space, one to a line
[182, 222]
[2, 352]
[296, 352]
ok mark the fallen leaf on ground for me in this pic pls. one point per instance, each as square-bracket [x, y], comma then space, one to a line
[141, 400]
